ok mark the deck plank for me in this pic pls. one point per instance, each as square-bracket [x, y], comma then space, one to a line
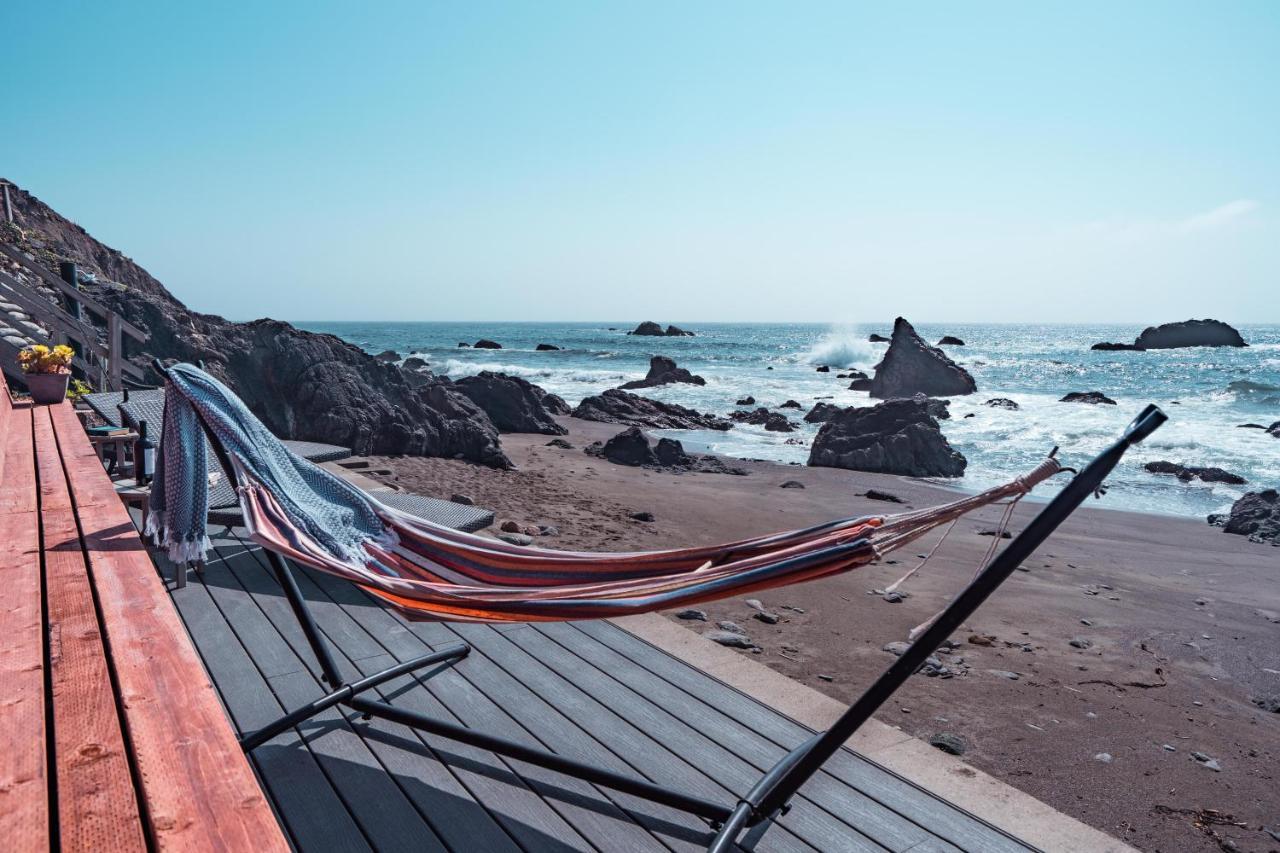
[199, 791]
[24, 781]
[97, 805]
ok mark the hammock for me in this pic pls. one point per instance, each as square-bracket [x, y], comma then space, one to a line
[295, 509]
[431, 572]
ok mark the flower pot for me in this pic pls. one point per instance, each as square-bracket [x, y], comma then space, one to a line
[47, 387]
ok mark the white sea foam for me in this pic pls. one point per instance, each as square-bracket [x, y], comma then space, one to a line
[840, 347]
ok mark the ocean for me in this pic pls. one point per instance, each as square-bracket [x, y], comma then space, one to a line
[1207, 392]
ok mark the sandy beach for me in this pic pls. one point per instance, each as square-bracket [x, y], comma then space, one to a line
[1148, 732]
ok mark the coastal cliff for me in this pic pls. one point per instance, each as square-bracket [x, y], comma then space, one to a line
[303, 385]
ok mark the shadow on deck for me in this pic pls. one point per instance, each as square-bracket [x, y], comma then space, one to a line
[588, 690]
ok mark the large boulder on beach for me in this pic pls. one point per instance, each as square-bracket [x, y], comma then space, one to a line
[893, 437]
[512, 403]
[1187, 333]
[632, 447]
[1256, 515]
[619, 407]
[1187, 473]
[821, 413]
[303, 385]
[910, 366]
[663, 371]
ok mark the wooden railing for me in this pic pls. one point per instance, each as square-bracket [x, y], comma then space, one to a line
[80, 322]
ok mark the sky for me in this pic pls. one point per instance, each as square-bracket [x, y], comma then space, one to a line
[733, 161]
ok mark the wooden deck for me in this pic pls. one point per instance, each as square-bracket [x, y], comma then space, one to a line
[587, 690]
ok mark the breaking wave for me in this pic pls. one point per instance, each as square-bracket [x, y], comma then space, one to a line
[840, 348]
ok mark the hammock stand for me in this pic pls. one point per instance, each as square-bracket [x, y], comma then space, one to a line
[771, 795]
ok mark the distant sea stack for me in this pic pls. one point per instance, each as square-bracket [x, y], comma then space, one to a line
[1188, 333]
[910, 366]
[652, 329]
[663, 371]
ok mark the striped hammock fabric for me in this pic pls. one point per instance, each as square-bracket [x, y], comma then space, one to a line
[432, 572]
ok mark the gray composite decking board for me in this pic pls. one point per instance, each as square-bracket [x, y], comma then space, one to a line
[937, 816]
[675, 710]
[531, 728]
[853, 821]
[524, 815]
[386, 815]
[312, 814]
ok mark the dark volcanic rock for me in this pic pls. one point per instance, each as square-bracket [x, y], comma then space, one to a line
[778, 423]
[413, 362]
[821, 413]
[485, 343]
[464, 344]
[1256, 515]
[746, 401]
[619, 407]
[950, 341]
[911, 366]
[877, 495]
[789, 404]
[894, 437]
[878, 339]
[677, 332]
[861, 382]
[772, 421]
[510, 402]
[1187, 473]
[1189, 333]
[1093, 398]
[652, 329]
[663, 371]
[823, 369]
[546, 348]
[387, 356]
[1107, 346]
[631, 447]
[1001, 403]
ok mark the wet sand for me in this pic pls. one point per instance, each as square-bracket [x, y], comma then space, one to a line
[1184, 630]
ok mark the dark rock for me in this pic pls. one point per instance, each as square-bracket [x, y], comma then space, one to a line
[1003, 534]
[821, 413]
[789, 404]
[952, 744]
[387, 356]
[512, 403]
[1189, 333]
[670, 452]
[911, 366]
[560, 443]
[629, 447]
[1270, 704]
[771, 421]
[1274, 430]
[509, 527]
[652, 329]
[677, 332]
[692, 615]
[894, 437]
[553, 403]
[1256, 515]
[646, 517]
[413, 362]
[484, 343]
[823, 369]
[746, 401]
[1254, 426]
[1188, 473]
[663, 371]
[462, 344]
[546, 348]
[619, 407]
[1001, 403]
[877, 339]
[860, 384]
[1107, 346]
[896, 648]
[778, 423]
[1080, 643]
[1093, 398]
[877, 495]
[792, 484]
[465, 500]
[950, 341]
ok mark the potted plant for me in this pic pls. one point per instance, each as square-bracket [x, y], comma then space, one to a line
[47, 371]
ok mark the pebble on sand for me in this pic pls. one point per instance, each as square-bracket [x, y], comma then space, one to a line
[642, 516]
[731, 639]
[1104, 757]
[949, 743]
[692, 614]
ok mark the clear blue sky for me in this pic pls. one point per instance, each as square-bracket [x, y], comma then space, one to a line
[680, 161]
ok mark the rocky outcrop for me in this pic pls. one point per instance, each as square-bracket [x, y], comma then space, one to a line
[1093, 398]
[1188, 333]
[771, 421]
[821, 413]
[485, 343]
[512, 403]
[1256, 515]
[789, 404]
[652, 329]
[1002, 403]
[553, 403]
[877, 339]
[950, 341]
[301, 384]
[1186, 473]
[546, 348]
[911, 366]
[387, 356]
[663, 371]
[894, 437]
[746, 401]
[619, 407]
[632, 447]
[414, 362]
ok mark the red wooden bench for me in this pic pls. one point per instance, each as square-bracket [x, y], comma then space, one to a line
[111, 734]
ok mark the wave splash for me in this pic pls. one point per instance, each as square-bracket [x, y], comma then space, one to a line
[840, 348]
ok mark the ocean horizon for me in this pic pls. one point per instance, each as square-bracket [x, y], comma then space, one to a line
[1208, 392]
